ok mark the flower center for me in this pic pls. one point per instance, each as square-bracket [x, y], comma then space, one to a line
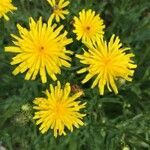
[59, 109]
[41, 49]
[107, 62]
[88, 28]
[56, 9]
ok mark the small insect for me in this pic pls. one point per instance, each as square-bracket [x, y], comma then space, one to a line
[76, 88]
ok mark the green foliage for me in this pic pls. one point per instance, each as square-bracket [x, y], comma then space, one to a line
[113, 122]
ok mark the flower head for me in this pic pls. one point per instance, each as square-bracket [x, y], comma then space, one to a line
[40, 49]
[59, 110]
[58, 8]
[89, 26]
[5, 7]
[108, 63]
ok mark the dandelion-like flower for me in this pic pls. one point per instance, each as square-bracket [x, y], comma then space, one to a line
[89, 26]
[40, 49]
[108, 63]
[5, 7]
[59, 10]
[59, 111]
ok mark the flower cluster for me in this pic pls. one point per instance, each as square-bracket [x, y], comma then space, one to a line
[41, 49]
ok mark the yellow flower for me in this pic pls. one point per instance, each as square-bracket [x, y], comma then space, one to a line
[40, 49]
[5, 7]
[58, 8]
[107, 62]
[89, 26]
[58, 111]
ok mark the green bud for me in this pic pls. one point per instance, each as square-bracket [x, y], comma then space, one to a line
[126, 148]
[26, 107]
